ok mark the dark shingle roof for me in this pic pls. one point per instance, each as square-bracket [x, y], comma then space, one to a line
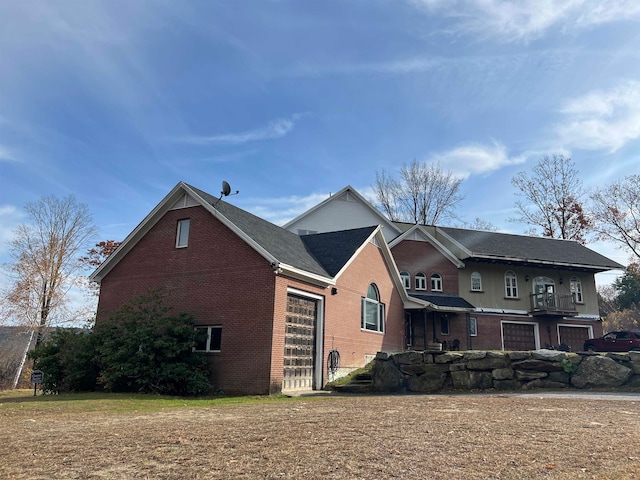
[526, 249]
[322, 254]
[442, 300]
[334, 249]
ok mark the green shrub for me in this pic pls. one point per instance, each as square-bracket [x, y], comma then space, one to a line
[142, 348]
[67, 360]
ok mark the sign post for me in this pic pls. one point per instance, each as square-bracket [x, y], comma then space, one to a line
[36, 377]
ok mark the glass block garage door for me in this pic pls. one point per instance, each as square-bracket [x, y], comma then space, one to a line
[299, 343]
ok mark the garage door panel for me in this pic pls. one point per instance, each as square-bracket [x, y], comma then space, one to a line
[574, 336]
[519, 336]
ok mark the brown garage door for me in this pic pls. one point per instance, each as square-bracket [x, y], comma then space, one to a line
[299, 343]
[574, 336]
[519, 336]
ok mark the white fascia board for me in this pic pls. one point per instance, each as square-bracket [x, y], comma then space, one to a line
[134, 237]
[299, 274]
[432, 240]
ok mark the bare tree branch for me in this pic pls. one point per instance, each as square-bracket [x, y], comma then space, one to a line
[44, 260]
[552, 199]
[424, 194]
[616, 211]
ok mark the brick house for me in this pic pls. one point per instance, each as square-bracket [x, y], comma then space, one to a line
[481, 290]
[274, 303]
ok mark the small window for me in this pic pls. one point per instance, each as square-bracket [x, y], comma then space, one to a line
[444, 325]
[576, 289]
[473, 326]
[406, 279]
[372, 310]
[436, 282]
[182, 236]
[209, 340]
[421, 281]
[476, 282]
[510, 285]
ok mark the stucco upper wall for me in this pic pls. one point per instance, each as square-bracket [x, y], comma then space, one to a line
[493, 286]
[343, 212]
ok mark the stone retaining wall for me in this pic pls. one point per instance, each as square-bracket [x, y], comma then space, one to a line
[430, 372]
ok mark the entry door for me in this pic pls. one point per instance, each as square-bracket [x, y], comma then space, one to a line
[544, 288]
[299, 343]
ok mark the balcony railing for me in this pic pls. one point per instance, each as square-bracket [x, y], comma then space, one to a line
[553, 304]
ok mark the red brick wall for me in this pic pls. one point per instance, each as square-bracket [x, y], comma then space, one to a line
[219, 279]
[342, 314]
[343, 325]
[413, 256]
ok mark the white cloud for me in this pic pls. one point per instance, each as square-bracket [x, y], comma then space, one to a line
[526, 21]
[273, 130]
[602, 120]
[282, 209]
[476, 159]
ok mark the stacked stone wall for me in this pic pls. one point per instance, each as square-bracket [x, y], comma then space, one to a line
[431, 372]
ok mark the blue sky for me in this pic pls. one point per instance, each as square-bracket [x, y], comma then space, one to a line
[116, 101]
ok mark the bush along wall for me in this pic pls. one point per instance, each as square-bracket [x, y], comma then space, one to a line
[431, 372]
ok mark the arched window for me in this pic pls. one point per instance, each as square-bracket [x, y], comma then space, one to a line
[372, 310]
[576, 289]
[436, 282]
[406, 280]
[510, 284]
[476, 282]
[421, 281]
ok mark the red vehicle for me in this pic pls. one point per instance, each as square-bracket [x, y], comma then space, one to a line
[624, 341]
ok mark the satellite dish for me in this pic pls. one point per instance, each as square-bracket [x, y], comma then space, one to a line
[226, 191]
[226, 188]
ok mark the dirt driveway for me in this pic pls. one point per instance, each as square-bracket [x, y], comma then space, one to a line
[352, 437]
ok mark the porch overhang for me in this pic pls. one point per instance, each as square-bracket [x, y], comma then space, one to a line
[442, 302]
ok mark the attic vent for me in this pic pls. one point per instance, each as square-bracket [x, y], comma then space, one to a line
[306, 232]
[183, 202]
[346, 197]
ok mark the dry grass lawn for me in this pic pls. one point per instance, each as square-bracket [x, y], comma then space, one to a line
[349, 437]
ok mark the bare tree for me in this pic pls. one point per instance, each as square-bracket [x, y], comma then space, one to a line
[616, 212]
[44, 261]
[553, 199]
[424, 193]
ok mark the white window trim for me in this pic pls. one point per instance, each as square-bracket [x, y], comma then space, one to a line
[575, 286]
[511, 290]
[181, 224]
[208, 345]
[380, 313]
[421, 281]
[437, 279]
[479, 277]
[473, 331]
[406, 279]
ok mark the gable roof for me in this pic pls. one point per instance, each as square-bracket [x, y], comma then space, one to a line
[420, 233]
[504, 247]
[317, 258]
[353, 195]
